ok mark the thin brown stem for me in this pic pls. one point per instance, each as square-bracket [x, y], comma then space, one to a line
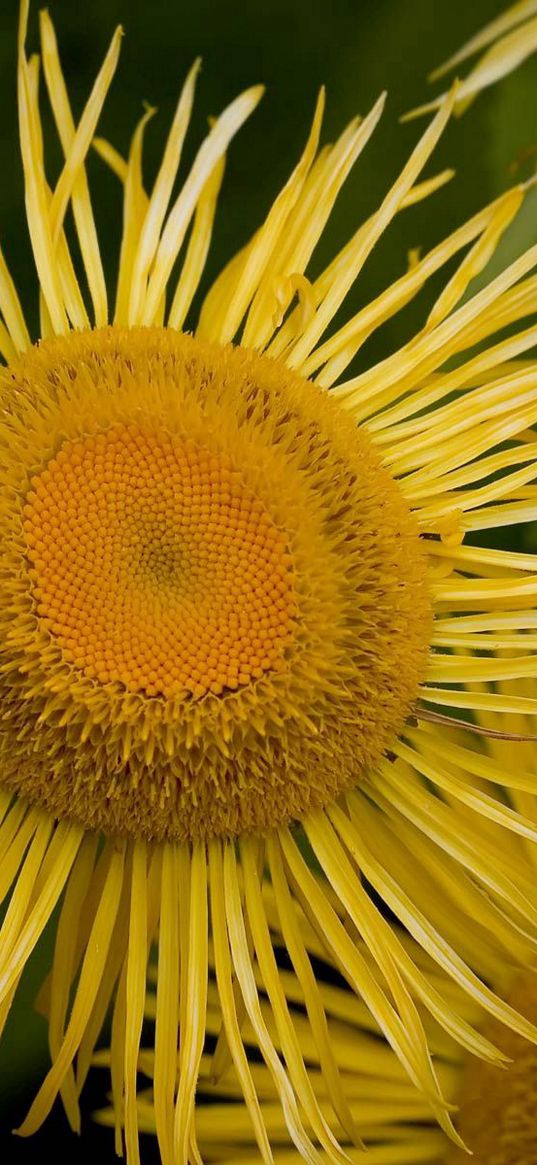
[454, 722]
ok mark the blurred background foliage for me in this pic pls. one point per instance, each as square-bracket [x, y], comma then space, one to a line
[357, 48]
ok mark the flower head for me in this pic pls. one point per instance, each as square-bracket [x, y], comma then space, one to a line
[233, 603]
[179, 553]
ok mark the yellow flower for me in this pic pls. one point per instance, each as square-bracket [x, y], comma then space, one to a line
[508, 41]
[228, 598]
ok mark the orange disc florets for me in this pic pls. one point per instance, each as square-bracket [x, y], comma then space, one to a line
[155, 566]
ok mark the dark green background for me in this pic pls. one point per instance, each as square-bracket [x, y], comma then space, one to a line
[358, 48]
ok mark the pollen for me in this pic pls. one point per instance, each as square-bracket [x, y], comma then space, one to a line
[155, 566]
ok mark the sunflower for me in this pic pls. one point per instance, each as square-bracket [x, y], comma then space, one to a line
[240, 599]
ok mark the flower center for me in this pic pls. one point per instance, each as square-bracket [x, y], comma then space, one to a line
[497, 1109]
[155, 566]
[214, 610]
